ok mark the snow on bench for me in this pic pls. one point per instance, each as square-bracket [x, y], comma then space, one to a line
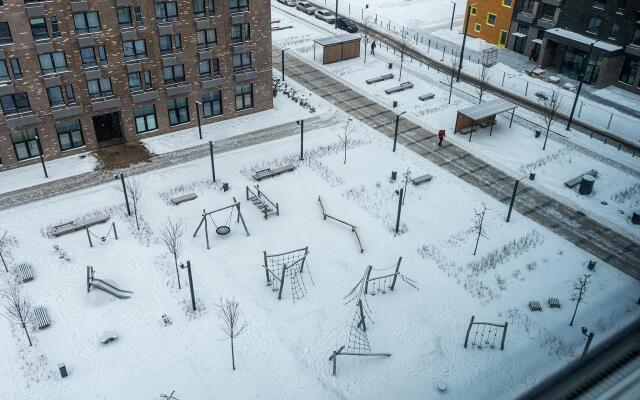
[535, 306]
[41, 317]
[73, 227]
[421, 179]
[427, 96]
[575, 181]
[379, 79]
[269, 173]
[400, 88]
[184, 198]
[554, 302]
[25, 272]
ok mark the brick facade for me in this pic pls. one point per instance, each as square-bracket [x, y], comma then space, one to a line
[123, 99]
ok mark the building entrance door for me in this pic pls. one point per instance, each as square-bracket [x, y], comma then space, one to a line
[107, 129]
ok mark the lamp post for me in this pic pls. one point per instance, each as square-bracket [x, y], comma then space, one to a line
[395, 135]
[464, 39]
[513, 197]
[44, 167]
[585, 64]
[301, 123]
[282, 55]
[124, 190]
[198, 105]
[336, 20]
[589, 336]
[193, 298]
[213, 167]
[400, 193]
[452, 14]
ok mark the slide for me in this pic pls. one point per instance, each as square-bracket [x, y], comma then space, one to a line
[111, 286]
[111, 292]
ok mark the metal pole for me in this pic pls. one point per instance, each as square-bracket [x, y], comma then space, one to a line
[587, 345]
[126, 198]
[44, 167]
[193, 297]
[198, 104]
[452, 14]
[399, 209]
[335, 23]
[585, 63]
[464, 41]
[213, 166]
[513, 198]
[302, 138]
[282, 65]
[395, 135]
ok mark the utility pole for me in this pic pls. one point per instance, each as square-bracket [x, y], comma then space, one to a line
[589, 336]
[193, 298]
[213, 166]
[585, 64]
[301, 123]
[335, 23]
[124, 190]
[452, 14]
[401, 194]
[44, 167]
[395, 135]
[282, 53]
[464, 39]
[513, 197]
[198, 104]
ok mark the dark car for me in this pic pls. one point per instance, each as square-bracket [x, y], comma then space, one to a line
[347, 25]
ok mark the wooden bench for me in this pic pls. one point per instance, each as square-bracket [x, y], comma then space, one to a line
[400, 88]
[421, 179]
[41, 317]
[427, 96]
[554, 302]
[535, 306]
[73, 227]
[575, 181]
[25, 272]
[184, 198]
[380, 78]
[269, 173]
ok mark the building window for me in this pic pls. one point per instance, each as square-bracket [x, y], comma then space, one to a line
[178, 110]
[25, 143]
[212, 103]
[236, 6]
[173, 74]
[209, 68]
[71, 96]
[145, 118]
[88, 56]
[140, 81]
[55, 27]
[635, 39]
[55, 96]
[491, 19]
[102, 54]
[244, 96]
[502, 38]
[5, 33]
[629, 70]
[134, 49]
[474, 10]
[39, 28]
[206, 38]
[240, 33]
[527, 6]
[170, 44]
[167, 12]
[615, 29]
[137, 12]
[241, 62]
[4, 72]
[202, 8]
[69, 134]
[87, 22]
[15, 103]
[621, 6]
[53, 62]
[477, 27]
[507, 3]
[594, 24]
[177, 41]
[124, 17]
[15, 67]
[99, 88]
[548, 12]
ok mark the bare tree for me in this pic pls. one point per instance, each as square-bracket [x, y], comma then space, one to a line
[345, 139]
[232, 325]
[171, 236]
[6, 242]
[550, 112]
[478, 221]
[403, 50]
[451, 78]
[16, 307]
[406, 177]
[134, 189]
[365, 35]
[483, 82]
[579, 287]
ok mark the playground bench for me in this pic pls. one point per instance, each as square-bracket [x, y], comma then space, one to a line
[41, 317]
[554, 302]
[73, 226]
[575, 181]
[427, 96]
[421, 179]
[400, 88]
[535, 306]
[25, 272]
[269, 173]
[184, 198]
[379, 79]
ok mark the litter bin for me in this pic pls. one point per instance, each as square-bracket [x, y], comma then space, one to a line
[394, 175]
[532, 176]
[225, 186]
[395, 104]
[63, 370]
[390, 65]
[538, 133]
[586, 185]
[635, 218]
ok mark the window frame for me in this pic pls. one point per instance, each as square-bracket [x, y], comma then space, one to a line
[88, 28]
[213, 65]
[52, 58]
[69, 132]
[243, 66]
[136, 55]
[88, 63]
[102, 92]
[173, 78]
[163, 16]
[243, 96]
[175, 108]
[122, 21]
[244, 36]
[495, 21]
[238, 6]
[8, 38]
[55, 102]
[42, 26]
[208, 8]
[477, 27]
[209, 105]
[28, 143]
[207, 43]
[141, 113]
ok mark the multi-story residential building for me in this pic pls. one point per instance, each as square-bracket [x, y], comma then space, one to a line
[84, 74]
[490, 20]
[558, 34]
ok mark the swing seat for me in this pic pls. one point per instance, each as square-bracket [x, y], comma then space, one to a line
[104, 238]
[223, 230]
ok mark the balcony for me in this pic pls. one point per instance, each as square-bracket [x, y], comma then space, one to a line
[525, 17]
[546, 23]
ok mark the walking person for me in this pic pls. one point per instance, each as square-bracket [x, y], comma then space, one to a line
[373, 48]
[441, 135]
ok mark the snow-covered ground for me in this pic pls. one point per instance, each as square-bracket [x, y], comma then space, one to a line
[284, 352]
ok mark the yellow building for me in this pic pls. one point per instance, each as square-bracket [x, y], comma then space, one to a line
[490, 20]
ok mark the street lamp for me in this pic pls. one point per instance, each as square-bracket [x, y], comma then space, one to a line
[301, 123]
[44, 167]
[589, 336]
[585, 64]
[513, 197]
[124, 190]
[213, 167]
[464, 39]
[198, 105]
[452, 13]
[400, 193]
[188, 268]
[395, 135]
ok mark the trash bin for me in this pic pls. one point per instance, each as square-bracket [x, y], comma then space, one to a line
[635, 218]
[532, 176]
[394, 175]
[395, 103]
[592, 265]
[586, 185]
[538, 133]
[225, 186]
[63, 370]
[390, 65]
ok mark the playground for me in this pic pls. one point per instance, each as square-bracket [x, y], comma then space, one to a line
[316, 279]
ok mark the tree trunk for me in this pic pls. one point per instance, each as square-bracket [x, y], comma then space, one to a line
[135, 212]
[345, 151]
[477, 241]
[26, 331]
[546, 136]
[576, 309]
[175, 259]
[451, 88]
[233, 357]
[4, 262]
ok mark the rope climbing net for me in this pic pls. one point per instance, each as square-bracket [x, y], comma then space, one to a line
[287, 267]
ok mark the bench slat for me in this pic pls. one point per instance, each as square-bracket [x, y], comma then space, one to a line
[42, 318]
[63, 230]
[427, 96]
[421, 179]
[575, 181]
[184, 198]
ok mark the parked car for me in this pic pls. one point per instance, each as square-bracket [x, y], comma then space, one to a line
[347, 25]
[326, 16]
[306, 7]
[290, 3]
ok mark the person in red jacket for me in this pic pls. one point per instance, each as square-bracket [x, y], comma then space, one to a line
[441, 135]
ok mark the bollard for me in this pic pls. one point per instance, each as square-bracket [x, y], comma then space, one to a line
[538, 133]
[394, 175]
[225, 186]
[63, 370]
[586, 185]
[390, 65]
[592, 265]
[532, 176]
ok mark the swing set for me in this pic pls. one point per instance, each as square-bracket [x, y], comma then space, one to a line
[222, 229]
[102, 238]
[488, 332]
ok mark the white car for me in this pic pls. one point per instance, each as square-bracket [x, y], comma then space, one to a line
[326, 16]
[306, 7]
[290, 3]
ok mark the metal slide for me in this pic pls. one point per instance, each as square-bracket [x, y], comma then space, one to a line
[112, 290]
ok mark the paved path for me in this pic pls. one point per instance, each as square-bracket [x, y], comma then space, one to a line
[604, 243]
[94, 178]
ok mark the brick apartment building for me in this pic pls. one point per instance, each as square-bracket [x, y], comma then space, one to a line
[80, 75]
[490, 20]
